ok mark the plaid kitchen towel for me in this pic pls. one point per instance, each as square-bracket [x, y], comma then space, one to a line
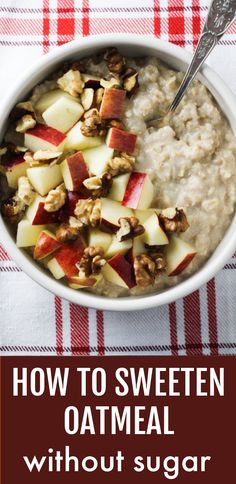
[33, 321]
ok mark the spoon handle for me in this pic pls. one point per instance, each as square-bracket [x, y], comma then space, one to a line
[220, 16]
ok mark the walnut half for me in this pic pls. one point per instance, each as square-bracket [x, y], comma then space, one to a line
[55, 199]
[121, 164]
[66, 233]
[147, 267]
[115, 60]
[25, 190]
[92, 124]
[99, 186]
[129, 228]
[88, 212]
[71, 82]
[91, 262]
[174, 220]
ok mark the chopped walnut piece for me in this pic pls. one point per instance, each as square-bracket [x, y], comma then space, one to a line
[121, 164]
[88, 211]
[147, 267]
[174, 220]
[115, 60]
[144, 270]
[25, 190]
[66, 233]
[131, 83]
[27, 106]
[55, 199]
[44, 155]
[91, 262]
[25, 123]
[71, 82]
[75, 223]
[92, 124]
[99, 186]
[158, 257]
[13, 209]
[129, 228]
[21, 109]
[93, 183]
[98, 95]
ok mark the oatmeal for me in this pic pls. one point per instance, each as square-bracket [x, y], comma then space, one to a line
[109, 205]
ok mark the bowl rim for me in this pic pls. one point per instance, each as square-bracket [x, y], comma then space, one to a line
[129, 303]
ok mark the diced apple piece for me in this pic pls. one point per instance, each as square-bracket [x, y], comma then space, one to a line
[77, 282]
[121, 140]
[118, 187]
[119, 271]
[111, 211]
[56, 269]
[179, 254]
[97, 159]
[143, 215]
[74, 171]
[69, 207]
[27, 234]
[117, 247]
[37, 215]
[63, 114]
[91, 81]
[45, 178]
[46, 244]
[98, 238]
[44, 138]
[139, 191]
[15, 168]
[113, 103]
[50, 97]
[154, 234]
[77, 141]
[137, 248]
[65, 260]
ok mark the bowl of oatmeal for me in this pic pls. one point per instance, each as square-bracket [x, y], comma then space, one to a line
[99, 208]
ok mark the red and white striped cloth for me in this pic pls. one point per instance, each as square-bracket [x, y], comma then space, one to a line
[33, 321]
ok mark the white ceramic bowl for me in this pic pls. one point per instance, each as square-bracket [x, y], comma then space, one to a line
[129, 45]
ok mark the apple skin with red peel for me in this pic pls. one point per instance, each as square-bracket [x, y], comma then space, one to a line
[120, 269]
[15, 167]
[68, 208]
[113, 102]
[13, 161]
[179, 254]
[121, 140]
[134, 189]
[46, 134]
[46, 244]
[68, 256]
[182, 266]
[74, 171]
[139, 191]
[42, 217]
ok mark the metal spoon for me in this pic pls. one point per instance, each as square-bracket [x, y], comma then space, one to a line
[220, 16]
